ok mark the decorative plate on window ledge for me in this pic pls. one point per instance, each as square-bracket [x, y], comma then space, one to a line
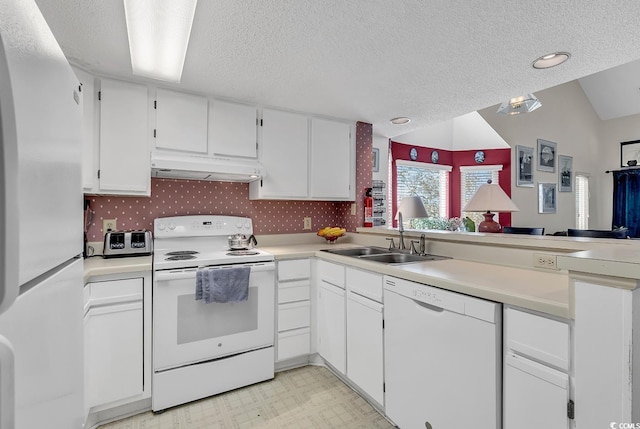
[413, 154]
[479, 157]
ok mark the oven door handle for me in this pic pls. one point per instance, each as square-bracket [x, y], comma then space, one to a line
[187, 273]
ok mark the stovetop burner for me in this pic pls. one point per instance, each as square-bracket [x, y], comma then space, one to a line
[182, 252]
[242, 253]
[182, 257]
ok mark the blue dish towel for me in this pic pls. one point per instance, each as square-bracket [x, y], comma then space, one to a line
[222, 284]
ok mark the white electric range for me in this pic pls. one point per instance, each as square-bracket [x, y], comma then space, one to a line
[201, 349]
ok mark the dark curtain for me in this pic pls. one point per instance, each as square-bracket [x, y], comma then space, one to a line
[626, 201]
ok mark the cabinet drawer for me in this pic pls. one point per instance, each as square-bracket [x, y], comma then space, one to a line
[294, 269]
[294, 315]
[539, 337]
[293, 291]
[294, 343]
[107, 292]
[331, 273]
[365, 283]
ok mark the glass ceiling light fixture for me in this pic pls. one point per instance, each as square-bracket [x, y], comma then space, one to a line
[401, 120]
[159, 33]
[551, 60]
[523, 104]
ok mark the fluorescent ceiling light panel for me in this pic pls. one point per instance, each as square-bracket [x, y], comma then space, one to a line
[159, 33]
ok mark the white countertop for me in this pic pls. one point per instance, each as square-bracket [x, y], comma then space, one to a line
[99, 266]
[543, 291]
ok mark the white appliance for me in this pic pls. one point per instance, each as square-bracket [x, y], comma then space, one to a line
[41, 337]
[442, 358]
[202, 349]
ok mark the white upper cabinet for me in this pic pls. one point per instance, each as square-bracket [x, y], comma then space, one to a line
[306, 158]
[233, 130]
[332, 166]
[125, 165]
[89, 138]
[284, 153]
[181, 122]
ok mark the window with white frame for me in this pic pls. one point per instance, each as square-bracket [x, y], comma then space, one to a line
[582, 201]
[428, 181]
[471, 178]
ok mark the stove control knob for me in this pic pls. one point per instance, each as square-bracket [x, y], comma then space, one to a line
[172, 226]
[239, 224]
[161, 226]
[247, 224]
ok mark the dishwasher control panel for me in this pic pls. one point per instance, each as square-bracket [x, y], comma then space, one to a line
[438, 299]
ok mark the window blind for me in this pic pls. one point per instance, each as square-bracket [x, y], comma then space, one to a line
[428, 181]
[582, 201]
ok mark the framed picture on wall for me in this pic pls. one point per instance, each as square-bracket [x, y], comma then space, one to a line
[547, 198]
[524, 166]
[565, 173]
[547, 156]
[376, 159]
[630, 153]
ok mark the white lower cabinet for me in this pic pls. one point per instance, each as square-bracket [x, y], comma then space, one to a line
[117, 346]
[331, 326]
[536, 388]
[294, 309]
[365, 345]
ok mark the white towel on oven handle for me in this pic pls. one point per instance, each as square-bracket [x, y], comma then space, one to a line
[222, 284]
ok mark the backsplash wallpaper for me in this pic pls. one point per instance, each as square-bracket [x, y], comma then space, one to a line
[171, 197]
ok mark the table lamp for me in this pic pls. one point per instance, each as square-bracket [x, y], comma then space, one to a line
[410, 208]
[487, 199]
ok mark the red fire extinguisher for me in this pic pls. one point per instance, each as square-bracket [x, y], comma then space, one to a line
[368, 208]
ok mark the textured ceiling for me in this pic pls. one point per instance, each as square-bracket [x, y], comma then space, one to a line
[368, 60]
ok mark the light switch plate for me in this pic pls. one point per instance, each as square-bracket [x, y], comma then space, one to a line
[307, 223]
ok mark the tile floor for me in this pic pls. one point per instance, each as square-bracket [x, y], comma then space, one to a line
[303, 398]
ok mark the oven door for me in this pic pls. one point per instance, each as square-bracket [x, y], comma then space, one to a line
[186, 331]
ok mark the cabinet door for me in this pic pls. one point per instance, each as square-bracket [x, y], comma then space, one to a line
[114, 347]
[181, 122]
[284, 154]
[234, 130]
[331, 162]
[125, 161]
[331, 326]
[365, 346]
[535, 396]
[89, 139]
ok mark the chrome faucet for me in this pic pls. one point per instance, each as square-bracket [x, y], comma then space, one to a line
[423, 245]
[401, 245]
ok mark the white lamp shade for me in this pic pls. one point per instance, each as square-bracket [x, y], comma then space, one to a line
[411, 208]
[490, 197]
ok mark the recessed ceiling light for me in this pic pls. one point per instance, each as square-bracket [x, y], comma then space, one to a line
[551, 60]
[401, 120]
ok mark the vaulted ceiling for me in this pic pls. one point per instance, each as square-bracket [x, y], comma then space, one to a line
[368, 60]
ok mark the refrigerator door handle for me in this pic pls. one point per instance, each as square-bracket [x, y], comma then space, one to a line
[7, 385]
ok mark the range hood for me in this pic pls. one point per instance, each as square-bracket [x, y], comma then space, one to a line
[205, 168]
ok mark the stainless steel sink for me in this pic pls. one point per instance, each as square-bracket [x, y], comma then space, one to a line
[358, 251]
[401, 258]
[382, 255]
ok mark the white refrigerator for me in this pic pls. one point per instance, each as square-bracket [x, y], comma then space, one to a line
[41, 325]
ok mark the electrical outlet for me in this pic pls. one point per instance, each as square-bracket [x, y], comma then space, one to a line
[108, 224]
[307, 223]
[353, 209]
[542, 260]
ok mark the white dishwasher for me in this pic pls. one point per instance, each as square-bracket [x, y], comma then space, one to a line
[442, 358]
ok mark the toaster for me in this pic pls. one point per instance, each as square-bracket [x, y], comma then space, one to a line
[127, 243]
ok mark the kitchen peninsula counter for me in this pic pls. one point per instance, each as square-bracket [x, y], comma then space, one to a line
[540, 290]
